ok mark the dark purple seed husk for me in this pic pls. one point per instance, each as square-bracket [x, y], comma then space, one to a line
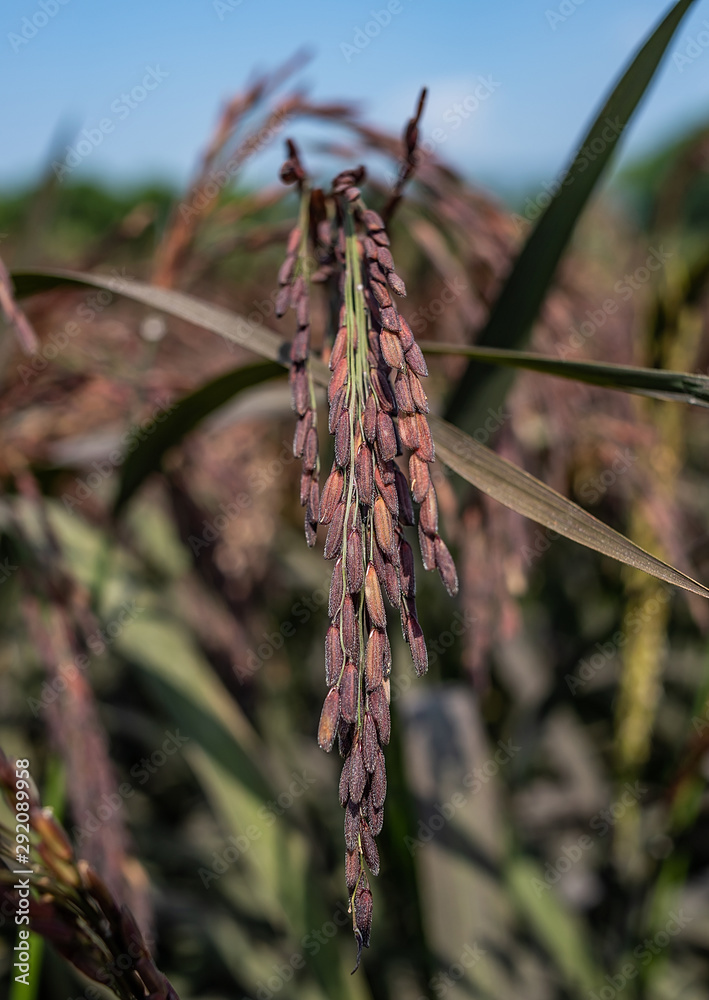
[372, 220]
[370, 743]
[419, 653]
[313, 505]
[405, 335]
[402, 394]
[339, 349]
[352, 869]
[376, 273]
[342, 440]
[369, 419]
[300, 346]
[370, 248]
[300, 392]
[419, 477]
[345, 736]
[385, 472]
[355, 564]
[349, 627]
[286, 270]
[386, 437]
[379, 707]
[306, 482]
[397, 285]
[425, 450]
[363, 911]
[376, 818]
[333, 542]
[302, 427]
[446, 566]
[387, 656]
[302, 313]
[383, 390]
[310, 453]
[373, 598]
[406, 570]
[331, 495]
[374, 659]
[392, 585]
[392, 351]
[383, 526]
[406, 508]
[351, 825]
[409, 430]
[381, 294]
[334, 656]
[428, 514]
[417, 393]
[358, 775]
[389, 319]
[337, 380]
[378, 788]
[348, 692]
[415, 360]
[388, 492]
[336, 409]
[385, 259]
[283, 300]
[344, 788]
[364, 475]
[428, 551]
[369, 849]
[328, 720]
[336, 590]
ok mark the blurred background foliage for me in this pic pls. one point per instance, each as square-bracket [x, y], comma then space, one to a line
[546, 828]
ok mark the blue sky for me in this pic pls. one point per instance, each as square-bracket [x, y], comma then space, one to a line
[548, 64]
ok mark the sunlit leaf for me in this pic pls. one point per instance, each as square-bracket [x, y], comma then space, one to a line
[681, 387]
[518, 304]
[526, 495]
[480, 466]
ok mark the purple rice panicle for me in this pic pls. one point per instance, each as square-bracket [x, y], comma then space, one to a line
[377, 408]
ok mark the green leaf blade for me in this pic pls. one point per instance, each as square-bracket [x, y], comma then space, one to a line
[526, 287]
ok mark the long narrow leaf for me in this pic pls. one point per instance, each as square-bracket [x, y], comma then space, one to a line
[519, 302]
[678, 386]
[526, 495]
[480, 466]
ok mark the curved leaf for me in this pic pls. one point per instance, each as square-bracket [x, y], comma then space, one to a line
[527, 495]
[524, 291]
[182, 418]
[255, 336]
[480, 466]
[681, 387]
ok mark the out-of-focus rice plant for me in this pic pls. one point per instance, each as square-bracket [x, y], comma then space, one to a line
[162, 662]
